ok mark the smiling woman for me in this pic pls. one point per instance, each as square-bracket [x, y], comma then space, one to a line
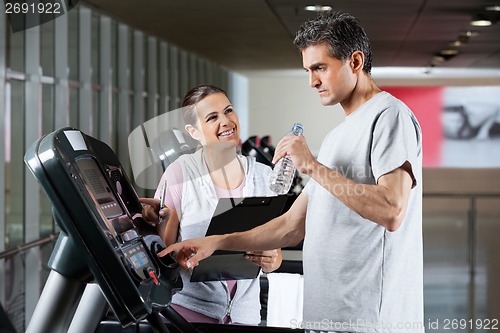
[211, 118]
[195, 183]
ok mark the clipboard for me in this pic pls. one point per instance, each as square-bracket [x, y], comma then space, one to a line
[236, 215]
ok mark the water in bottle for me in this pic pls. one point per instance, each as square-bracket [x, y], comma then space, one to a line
[284, 170]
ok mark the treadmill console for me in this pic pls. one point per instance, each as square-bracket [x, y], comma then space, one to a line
[97, 208]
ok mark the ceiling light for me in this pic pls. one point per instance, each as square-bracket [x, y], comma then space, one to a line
[456, 43]
[480, 22]
[437, 59]
[448, 52]
[493, 8]
[471, 33]
[317, 8]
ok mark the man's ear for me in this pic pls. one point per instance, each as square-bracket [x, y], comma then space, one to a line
[357, 61]
[193, 131]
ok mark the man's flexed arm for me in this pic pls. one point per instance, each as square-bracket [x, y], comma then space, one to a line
[384, 203]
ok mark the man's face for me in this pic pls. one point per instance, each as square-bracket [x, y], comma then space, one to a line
[332, 78]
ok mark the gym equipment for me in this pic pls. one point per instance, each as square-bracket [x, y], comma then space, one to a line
[106, 255]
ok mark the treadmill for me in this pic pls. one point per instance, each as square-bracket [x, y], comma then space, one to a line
[105, 273]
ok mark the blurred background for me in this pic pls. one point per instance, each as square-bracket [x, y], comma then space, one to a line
[108, 66]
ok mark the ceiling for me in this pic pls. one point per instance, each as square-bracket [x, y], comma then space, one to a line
[244, 35]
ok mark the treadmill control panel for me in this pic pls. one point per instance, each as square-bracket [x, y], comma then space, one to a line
[96, 206]
[138, 257]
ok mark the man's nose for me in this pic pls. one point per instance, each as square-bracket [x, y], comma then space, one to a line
[313, 80]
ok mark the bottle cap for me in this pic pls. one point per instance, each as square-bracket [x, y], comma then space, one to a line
[297, 128]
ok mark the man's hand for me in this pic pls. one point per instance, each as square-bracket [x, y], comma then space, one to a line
[268, 260]
[190, 252]
[151, 209]
[295, 147]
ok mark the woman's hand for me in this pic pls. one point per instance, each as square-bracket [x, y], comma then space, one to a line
[151, 212]
[268, 260]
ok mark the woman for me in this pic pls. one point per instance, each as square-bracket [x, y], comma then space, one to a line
[195, 183]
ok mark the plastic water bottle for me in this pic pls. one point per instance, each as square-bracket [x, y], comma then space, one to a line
[284, 170]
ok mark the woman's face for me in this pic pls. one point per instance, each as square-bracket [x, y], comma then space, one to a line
[217, 122]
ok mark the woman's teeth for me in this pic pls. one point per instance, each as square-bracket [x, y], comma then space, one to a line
[226, 133]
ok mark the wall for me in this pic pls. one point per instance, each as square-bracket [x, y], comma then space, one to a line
[277, 100]
[83, 70]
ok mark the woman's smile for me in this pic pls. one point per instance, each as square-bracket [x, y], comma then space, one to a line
[227, 133]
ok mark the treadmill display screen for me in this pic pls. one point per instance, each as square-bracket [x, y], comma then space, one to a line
[138, 258]
[99, 189]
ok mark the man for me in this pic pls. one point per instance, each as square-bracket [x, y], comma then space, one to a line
[360, 214]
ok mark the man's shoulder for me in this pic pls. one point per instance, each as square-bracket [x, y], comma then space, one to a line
[393, 104]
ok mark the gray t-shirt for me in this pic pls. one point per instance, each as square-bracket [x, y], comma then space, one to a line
[358, 276]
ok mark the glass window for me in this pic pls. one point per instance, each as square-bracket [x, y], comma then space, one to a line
[202, 77]
[96, 114]
[73, 107]
[14, 165]
[487, 270]
[15, 50]
[47, 48]
[95, 48]
[446, 266]
[145, 59]
[46, 220]
[114, 52]
[131, 56]
[73, 43]
[114, 122]
[173, 86]
[183, 73]
[193, 80]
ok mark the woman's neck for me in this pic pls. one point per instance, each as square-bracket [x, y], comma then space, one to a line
[224, 167]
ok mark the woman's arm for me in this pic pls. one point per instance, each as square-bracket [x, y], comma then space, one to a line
[168, 231]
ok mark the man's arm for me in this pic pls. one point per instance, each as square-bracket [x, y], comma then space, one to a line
[285, 230]
[384, 203]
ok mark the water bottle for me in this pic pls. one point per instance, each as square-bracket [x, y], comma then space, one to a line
[284, 170]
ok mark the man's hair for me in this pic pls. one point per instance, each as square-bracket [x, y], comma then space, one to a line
[195, 95]
[341, 32]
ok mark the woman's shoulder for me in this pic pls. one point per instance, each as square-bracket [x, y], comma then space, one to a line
[187, 160]
[173, 173]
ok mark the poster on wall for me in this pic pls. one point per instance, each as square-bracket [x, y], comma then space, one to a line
[460, 125]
